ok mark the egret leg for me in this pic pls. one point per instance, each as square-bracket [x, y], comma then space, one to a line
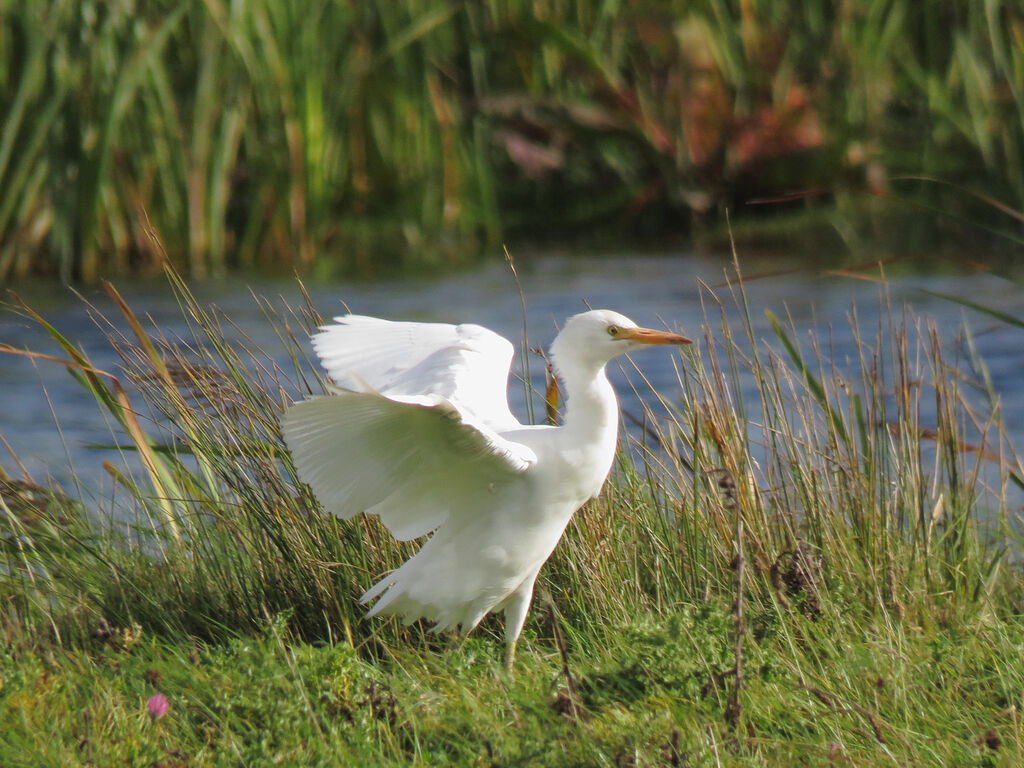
[510, 656]
[516, 608]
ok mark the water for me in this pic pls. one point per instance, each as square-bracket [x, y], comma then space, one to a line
[50, 422]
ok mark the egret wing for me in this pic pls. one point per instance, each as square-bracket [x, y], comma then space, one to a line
[466, 365]
[397, 457]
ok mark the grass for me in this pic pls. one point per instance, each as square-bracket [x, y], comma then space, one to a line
[817, 691]
[324, 136]
[823, 573]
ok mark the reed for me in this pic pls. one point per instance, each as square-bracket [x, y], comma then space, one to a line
[882, 476]
[408, 135]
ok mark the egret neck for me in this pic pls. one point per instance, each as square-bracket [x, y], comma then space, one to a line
[591, 408]
[591, 422]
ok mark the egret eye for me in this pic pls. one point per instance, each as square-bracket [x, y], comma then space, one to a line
[613, 330]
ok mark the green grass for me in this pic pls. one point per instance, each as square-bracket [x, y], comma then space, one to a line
[850, 690]
[874, 616]
[326, 136]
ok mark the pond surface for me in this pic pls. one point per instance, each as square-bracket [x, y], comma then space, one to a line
[52, 424]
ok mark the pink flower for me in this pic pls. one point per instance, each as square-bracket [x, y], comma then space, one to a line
[157, 706]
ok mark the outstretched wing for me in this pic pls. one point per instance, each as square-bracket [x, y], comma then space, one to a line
[467, 365]
[398, 457]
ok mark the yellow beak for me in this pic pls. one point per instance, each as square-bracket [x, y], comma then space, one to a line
[648, 336]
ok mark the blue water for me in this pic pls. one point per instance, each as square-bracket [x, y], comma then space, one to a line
[50, 422]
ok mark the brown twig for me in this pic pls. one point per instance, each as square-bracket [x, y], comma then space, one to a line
[829, 701]
[734, 709]
[570, 702]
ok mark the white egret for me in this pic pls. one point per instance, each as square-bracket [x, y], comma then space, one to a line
[418, 432]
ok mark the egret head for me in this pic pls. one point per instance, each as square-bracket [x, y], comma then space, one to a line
[591, 339]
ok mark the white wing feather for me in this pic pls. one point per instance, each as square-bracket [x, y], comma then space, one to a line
[466, 365]
[396, 453]
[414, 436]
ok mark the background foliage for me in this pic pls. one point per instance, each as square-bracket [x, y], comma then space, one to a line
[418, 131]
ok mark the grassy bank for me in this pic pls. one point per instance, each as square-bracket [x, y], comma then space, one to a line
[824, 573]
[402, 135]
[838, 690]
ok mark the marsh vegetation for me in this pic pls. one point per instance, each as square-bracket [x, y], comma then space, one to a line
[827, 571]
[377, 136]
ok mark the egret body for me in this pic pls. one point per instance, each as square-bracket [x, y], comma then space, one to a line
[418, 431]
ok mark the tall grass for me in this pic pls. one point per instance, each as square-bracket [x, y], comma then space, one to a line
[877, 480]
[375, 135]
[218, 525]
[875, 483]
